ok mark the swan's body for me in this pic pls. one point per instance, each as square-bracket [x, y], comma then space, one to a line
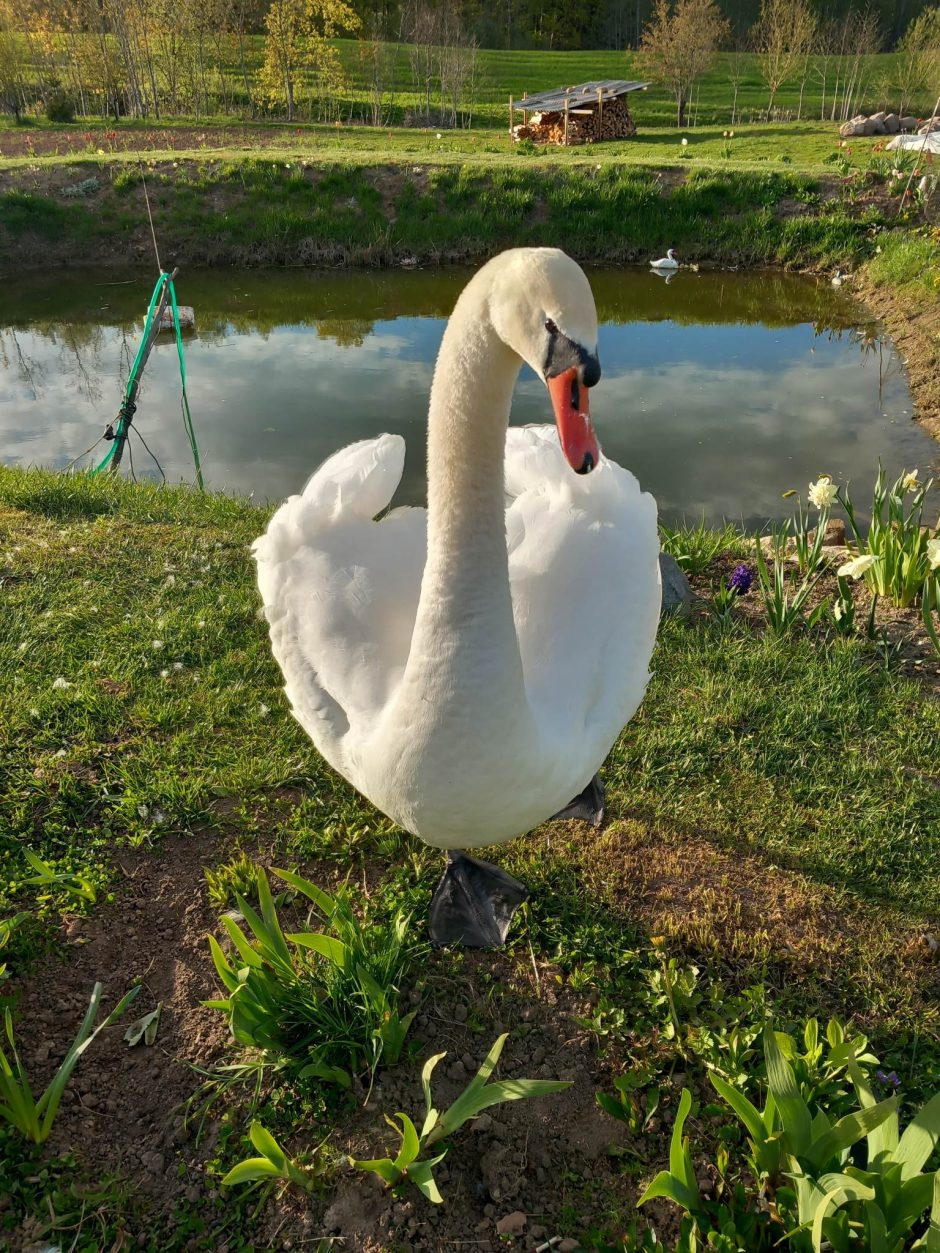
[468, 668]
[668, 262]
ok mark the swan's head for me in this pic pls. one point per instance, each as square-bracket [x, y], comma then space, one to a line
[542, 307]
[671, 254]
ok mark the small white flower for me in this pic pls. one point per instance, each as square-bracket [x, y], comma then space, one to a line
[855, 568]
[439, 135]
[933, 552]
[263, 710]
[822, 493]
[143, 811]
[164, 674]
[201, 623]
[910, 481]
[170, 580]
[60, 753]
[21, 648]
[156, 645]
[159, 817]
[177, 665]
[34, 712]
[685, 142]
[60, 684]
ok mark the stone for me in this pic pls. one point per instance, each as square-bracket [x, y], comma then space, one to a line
[677, 594]
[875, 126]
[892, 124]
[569, 1245]
[908, 123]
[877, 117]
[460, 1013]
[512, 1225]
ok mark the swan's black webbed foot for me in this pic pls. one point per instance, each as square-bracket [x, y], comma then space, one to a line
[474, 903]
[588, 806]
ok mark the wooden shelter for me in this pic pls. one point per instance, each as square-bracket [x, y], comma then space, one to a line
[575, 115]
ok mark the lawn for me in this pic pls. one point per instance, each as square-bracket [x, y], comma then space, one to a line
[771, 853]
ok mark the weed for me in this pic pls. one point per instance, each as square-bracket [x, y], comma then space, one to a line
[18, 1106]
[324, 1002]
[409, 1164]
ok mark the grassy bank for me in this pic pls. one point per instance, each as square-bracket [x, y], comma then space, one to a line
[772, 849]
[294, 211]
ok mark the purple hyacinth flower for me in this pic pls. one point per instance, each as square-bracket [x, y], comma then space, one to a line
[890, 1080]
[741, 579]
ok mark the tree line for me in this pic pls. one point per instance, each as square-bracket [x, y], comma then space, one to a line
[794, 43]
[159, 58]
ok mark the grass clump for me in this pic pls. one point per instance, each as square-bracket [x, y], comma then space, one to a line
[322, 1003]
[907, 259]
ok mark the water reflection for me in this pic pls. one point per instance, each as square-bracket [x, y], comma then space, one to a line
[720, 390]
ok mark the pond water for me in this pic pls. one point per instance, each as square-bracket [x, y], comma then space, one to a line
[720, 390]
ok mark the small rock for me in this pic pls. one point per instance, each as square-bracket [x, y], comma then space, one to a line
[537, 1231]
[512, 1225]
[538, 1056]
[460, 1013]
[677, 594]
[457, 1072]
[569, 1245]
[192, 1194]
[489, 1209]
[482, 1122]
[469, 1064]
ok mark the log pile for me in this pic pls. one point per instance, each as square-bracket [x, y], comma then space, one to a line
[584, 127]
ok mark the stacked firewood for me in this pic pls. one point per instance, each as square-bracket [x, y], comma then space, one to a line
[583, 128]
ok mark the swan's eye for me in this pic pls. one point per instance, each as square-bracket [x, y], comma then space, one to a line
[551, 327]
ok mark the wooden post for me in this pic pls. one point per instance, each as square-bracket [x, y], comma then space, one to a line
[600, 113]
[510, 117]
[566, 119]
[525, 115]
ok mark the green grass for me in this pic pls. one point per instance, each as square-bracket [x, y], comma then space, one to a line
[259, 210]
[907, 260]
[806, 769]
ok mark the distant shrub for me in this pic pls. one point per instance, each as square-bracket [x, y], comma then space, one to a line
[60, 107]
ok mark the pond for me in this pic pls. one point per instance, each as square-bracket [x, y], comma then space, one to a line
[720, 390]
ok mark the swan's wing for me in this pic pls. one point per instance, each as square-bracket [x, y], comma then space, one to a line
[340, 592]
[584, 570]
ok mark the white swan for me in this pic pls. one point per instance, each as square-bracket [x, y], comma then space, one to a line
[668, 262]
[468, 668]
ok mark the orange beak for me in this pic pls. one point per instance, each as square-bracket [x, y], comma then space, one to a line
[573, 419]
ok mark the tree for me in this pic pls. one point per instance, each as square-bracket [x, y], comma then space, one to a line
[917, 65]
[298, 36]
[783, 37]
[679, 45]
[12, 64]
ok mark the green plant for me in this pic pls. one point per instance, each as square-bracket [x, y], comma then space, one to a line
[60, 107]
[226, 882]
[930, 606]
[7, 927]
[325, 1002]
[409, 1165]
[626, 1105]
[76, 884]
[695, 547]
[784, 598]
[272, 1164]
[18, 1106]
[895, 555]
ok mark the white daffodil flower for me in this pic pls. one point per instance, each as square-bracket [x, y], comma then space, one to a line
[933, 553]
[855, 568]
[822, 493]
[910, 481]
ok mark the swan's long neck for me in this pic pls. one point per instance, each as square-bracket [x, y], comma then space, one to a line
[465, 636]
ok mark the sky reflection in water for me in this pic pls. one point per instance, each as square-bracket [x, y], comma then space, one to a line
[718, 391]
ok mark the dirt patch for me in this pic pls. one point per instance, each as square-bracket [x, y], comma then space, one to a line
[913, 322]
[123, 1111]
